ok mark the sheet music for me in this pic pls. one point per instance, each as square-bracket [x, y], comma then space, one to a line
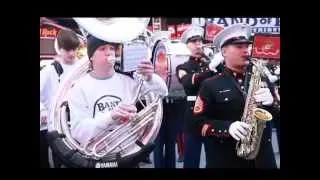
[133, 54]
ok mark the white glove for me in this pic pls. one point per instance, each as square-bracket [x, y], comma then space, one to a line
[239, 130]
[272, 78]
[264, 95]
[217, 59]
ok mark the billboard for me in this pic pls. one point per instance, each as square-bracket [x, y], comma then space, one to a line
[259, 25]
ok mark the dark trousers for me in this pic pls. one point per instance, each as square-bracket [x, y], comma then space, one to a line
[193, 144]
[181, 144]
[278, 137]
[266, 158]
[277, 126]
[221, 153]
[44, 161]
[193, 139]
[172, 118]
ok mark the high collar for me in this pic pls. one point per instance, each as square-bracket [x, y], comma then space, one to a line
[235, 74]
[195, 60]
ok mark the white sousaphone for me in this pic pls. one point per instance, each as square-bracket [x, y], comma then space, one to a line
[126, 144]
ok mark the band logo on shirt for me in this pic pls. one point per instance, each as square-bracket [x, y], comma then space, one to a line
[106, 103]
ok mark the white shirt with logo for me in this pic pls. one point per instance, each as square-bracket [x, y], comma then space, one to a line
[91, 100]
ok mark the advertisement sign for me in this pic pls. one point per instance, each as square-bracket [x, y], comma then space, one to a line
[48, 31]
[48, 34]
[211, 30]
[181, 28]
[259, 25]
[266, 46]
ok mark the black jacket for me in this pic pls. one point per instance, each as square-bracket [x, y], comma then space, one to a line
[220, 102]
[201, 72]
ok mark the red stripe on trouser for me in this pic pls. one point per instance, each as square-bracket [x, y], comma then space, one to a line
[180, 143]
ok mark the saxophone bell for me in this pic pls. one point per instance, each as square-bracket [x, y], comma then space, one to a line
[262, 114]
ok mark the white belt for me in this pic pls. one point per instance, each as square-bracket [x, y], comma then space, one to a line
[191, 98]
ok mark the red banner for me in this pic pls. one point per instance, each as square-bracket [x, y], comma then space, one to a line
[211, 31]
[181, 28]
[266, 46]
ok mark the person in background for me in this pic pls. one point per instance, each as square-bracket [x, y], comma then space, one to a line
[191, 74]
[50, 77]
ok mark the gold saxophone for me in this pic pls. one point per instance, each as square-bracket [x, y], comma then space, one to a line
[254, 116]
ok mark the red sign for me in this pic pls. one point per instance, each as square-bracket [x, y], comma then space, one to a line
[266, 46]
[181, 28]
[211, 31]
[48, 31]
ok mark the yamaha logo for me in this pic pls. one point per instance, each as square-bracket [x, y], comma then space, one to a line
[106, 165]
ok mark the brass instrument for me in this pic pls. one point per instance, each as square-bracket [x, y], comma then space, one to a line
[254, 116]
[119, 147]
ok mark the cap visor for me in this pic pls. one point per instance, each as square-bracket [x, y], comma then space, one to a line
[242, 41]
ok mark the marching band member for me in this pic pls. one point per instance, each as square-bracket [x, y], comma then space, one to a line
[220, 105]
[190, 75]
[103, 98]
[50, 76]
[164, 151]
